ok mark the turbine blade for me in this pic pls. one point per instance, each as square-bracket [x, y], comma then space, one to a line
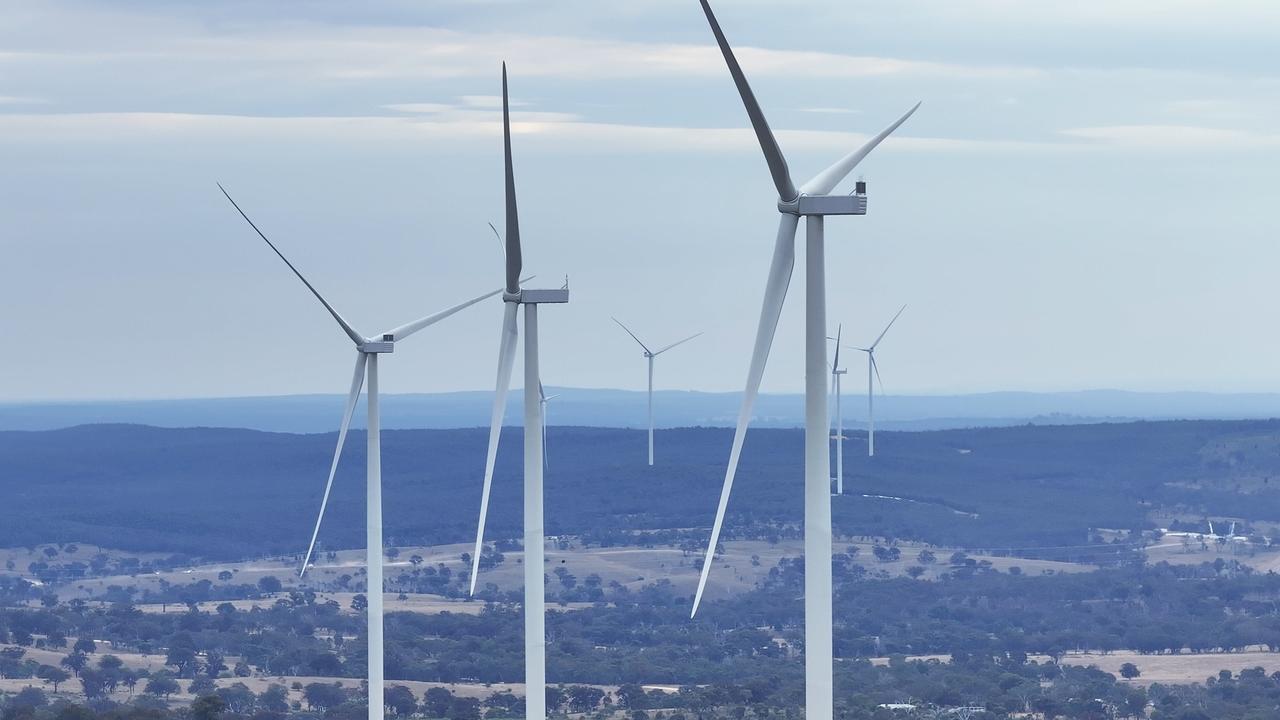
[633, 335]
[835, 364]
[886, 327]
[768, 143]
[498, 235]
[506, 359]
[674, 344]
[357, 382]
[827, 180]
[876, 367]
[542, 418]
[775, 293]
[405, 331]
[356, 337]
[514, 261]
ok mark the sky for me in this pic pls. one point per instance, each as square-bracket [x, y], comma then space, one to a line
[1086, 198]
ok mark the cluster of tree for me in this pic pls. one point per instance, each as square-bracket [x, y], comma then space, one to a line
[646, 635]
[1249, 695]
[64, 566]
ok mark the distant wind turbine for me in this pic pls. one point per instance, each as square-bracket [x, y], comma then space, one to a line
[367, 351]
[873, 368]
[650, 355]
[535, 644]
[543, 399]
[837, 373]
[814, 202]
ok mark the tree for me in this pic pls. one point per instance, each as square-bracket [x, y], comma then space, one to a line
[436, 702]
[274, 699]
[359, 603]
[915, 571]
[1129, 671]
[238, 697]
[583, 698]
[85, 645]
[202, 685]
[555, 698]
[632, 697]
[323, 696]
[29, 697]
[400, 699]
[207, 707]
[464, 708]
[52, 675]
[110, 663]
[225, 575]
[927, 557]
[162, 684]
[182, 657]
[506, 702]
[75, 662]
[270, 584]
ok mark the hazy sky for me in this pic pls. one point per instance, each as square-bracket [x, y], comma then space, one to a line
[1087, 198]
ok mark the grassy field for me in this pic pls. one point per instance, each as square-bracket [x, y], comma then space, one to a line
[1183, 669]
[739, 568]
[1176, 669]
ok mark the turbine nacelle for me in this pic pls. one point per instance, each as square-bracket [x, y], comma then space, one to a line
[538, 297]
[378, 347]
[824, 205]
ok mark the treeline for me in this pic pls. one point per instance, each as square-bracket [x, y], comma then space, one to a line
[217, 493]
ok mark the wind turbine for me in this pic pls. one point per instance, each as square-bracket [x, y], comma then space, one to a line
[367, 351]
[543, 399]
[650, 355]
[535, 643]
[838, 372]
[814, 202]
[873, 368]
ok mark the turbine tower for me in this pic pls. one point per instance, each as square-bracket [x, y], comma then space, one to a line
[837, 373]
[814, 202]
[650, 355]
[873, 368]
[367, 351]
[535, 644]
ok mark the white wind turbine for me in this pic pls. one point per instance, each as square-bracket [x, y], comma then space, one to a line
[650, 355]
[873, 368]
[814, 202]
[837, 373]
[543, 399]
[367, 351]
[535, 644]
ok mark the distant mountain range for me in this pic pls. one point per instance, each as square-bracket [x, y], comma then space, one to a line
[622, 408]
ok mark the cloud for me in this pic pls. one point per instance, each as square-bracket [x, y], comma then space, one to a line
[1169, 137]
[830, 111]
[393, 52]
[1212, 109]
[548, 131]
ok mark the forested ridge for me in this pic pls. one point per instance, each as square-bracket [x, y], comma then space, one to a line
[225, 494]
